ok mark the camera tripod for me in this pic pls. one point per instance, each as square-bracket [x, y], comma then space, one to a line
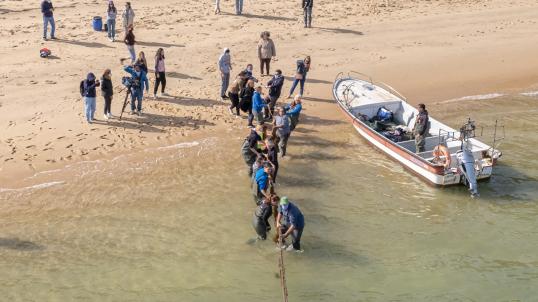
[125, 101]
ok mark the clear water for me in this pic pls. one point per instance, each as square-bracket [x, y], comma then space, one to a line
[156, 227]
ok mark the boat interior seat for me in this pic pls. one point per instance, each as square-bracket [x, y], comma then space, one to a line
[370, 110]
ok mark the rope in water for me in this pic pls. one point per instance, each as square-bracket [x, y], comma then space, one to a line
[282, 270]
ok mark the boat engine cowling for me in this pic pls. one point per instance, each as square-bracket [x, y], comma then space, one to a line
[466, 167]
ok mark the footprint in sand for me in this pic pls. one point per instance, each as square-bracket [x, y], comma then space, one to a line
[60, 137]
[69, 146]
[31, 146]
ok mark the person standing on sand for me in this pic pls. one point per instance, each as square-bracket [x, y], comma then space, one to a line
[307, 11]
[225, 67]
[249, 72]
[89, 95]
[266, 51]
[275, 89]
[303, 66]
[281, 124]
[160, 73]
[128, 16]
[107, 90]
[293, 111]
[139, 81]
[217, 7]
[246, 100]
[111, 21]
[130, 42]
[237, 86]
[257, 107]
[238, 7]
[48, 17]
[142, 62]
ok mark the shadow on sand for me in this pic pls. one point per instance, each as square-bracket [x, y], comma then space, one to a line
[340, 31]
[158, 44]
[309, 80]
[150, 122]
[187, 101]
[85, 44]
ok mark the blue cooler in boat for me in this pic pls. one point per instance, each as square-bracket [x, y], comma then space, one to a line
[97, 23]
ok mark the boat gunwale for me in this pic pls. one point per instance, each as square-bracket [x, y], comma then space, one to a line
[430, 167]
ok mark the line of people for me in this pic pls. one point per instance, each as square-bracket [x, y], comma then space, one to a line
[261, 150]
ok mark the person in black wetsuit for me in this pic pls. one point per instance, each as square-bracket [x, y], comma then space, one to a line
[261, 218]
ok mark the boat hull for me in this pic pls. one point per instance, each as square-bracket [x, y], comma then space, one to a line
[433, 174]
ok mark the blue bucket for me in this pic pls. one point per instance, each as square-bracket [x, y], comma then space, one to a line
[97, 23]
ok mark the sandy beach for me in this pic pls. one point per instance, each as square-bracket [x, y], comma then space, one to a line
[429, 50]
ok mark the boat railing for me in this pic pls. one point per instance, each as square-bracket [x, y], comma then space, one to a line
[381, 84]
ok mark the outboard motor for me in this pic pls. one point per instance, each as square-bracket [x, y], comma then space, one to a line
[466, 167]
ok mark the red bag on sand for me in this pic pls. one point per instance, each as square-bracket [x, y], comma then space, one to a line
[44, 52]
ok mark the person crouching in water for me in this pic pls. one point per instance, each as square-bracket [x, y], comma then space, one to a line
[139, 81]
[294, 223]
[107, 90]
[261, 218]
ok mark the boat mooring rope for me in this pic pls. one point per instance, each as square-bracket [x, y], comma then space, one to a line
[282, 270]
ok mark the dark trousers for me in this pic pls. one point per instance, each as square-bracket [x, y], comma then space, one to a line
[160, 77]
[275, 171]
[234, 97]
[108, 102]
[295, 237]
[267, 63]
[307, 16]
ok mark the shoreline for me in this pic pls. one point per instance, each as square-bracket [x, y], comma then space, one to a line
[469, 49]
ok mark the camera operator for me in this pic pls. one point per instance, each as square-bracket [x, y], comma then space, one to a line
[139, 82]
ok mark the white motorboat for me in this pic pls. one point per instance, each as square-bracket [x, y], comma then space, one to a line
[361, 100]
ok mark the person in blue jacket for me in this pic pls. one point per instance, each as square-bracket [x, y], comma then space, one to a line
[139, 83]
[258, 104]
[293, 110]
[262, 183]
[293, 223]
[48, 17]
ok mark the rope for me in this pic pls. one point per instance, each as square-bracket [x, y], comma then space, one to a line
[282, 269]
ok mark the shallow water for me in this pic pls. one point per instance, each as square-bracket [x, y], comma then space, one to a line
[151, 227]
